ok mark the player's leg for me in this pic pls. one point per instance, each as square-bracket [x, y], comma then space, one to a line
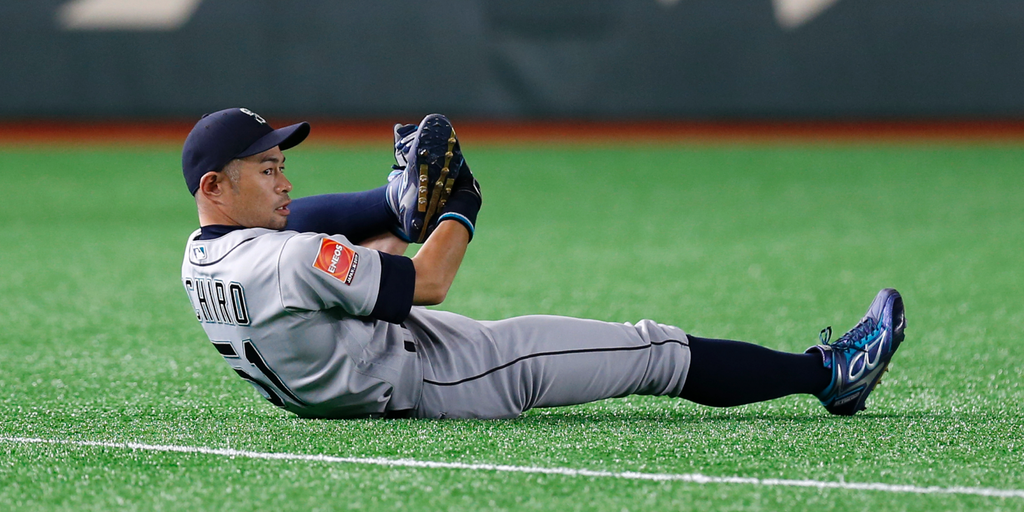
[725, 373]
[840, 374]
[386, 243]
[355, 215]
[500, 369]
[362, 215]
[546, 361]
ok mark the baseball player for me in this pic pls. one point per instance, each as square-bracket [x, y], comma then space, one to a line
[312, 302]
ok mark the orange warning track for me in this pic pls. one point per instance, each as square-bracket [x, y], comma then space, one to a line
[562, 132]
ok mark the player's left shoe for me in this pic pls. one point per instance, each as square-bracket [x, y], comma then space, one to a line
[429, 160]
[860, 357]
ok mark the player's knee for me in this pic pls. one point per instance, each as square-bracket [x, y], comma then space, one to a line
[656, 333]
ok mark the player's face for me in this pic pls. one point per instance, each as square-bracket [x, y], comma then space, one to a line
[260, 196]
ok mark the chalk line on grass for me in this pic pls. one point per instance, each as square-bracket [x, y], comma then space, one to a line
[695, 478]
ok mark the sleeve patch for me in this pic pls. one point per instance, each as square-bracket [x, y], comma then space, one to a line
[337, 260]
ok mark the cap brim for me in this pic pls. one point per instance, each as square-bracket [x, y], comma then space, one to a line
[287, 137]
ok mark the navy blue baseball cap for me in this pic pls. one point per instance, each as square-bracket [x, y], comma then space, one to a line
[225, 135]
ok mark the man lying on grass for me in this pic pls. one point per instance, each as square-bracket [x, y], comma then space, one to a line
[313, 303]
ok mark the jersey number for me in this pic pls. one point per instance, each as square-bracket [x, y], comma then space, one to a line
[255, 359]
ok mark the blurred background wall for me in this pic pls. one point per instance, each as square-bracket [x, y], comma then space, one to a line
[514, 59]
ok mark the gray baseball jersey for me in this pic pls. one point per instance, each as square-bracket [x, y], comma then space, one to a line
[326, 328]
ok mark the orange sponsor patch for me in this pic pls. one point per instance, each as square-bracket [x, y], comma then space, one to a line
[337, 260]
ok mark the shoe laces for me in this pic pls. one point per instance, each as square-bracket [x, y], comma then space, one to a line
[404, 135]
[853, 339]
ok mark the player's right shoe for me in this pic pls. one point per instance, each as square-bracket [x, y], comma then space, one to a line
[860, 357]
[417, 191]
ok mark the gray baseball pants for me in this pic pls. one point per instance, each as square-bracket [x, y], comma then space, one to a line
[498, 369]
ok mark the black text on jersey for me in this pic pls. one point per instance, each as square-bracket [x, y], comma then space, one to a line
[216, 302]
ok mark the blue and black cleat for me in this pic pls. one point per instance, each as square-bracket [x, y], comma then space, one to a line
[429, 160]
[860, 357]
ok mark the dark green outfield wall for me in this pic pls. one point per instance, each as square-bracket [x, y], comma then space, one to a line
[524, 59]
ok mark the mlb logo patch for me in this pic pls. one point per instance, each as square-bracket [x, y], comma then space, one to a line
[198, 252]
[337, 260]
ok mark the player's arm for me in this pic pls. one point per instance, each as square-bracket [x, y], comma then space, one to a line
[438, 261]
[373, 283]
[319, 272]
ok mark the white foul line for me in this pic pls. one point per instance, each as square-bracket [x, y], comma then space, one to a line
[695, 478]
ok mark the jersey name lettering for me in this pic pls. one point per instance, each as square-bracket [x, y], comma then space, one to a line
[217, 303]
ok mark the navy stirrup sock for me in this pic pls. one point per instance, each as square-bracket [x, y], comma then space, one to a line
[355, 215]
[725, 373]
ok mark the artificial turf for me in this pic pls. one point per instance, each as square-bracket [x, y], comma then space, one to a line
[757, 242]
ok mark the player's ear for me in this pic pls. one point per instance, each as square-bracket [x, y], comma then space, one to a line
[212, 184]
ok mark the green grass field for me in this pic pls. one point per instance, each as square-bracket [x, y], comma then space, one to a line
[763, 243]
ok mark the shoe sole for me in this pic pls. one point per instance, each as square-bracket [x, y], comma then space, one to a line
[432, 196]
